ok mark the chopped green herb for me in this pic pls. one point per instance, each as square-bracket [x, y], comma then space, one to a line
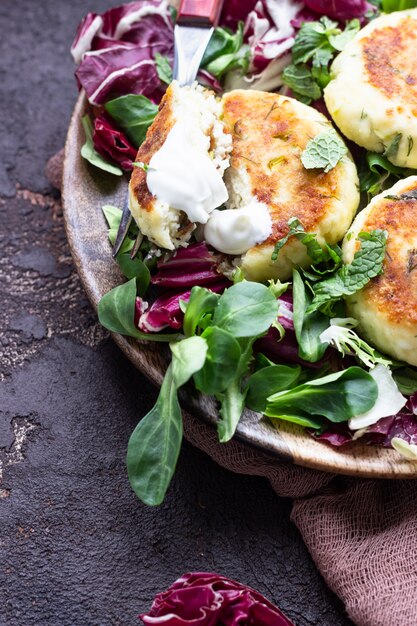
[392, 149]
[412, 260]
[366, 264]
[141, 165]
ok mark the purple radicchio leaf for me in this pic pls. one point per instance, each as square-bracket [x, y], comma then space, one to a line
[118, 71]
[269, 31]
[166, 311]
[112, 143]
[235, 11]
[205, 599]
[340, 9]
[190, 266]
[116, 50]
[336, 435]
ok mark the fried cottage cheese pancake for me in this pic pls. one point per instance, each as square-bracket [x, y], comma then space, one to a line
[198, 111]
[269, 133]
[373, 94]
[386, 307]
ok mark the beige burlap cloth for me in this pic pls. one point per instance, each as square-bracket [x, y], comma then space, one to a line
[362, 534]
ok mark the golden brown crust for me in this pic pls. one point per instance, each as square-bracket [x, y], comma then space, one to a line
[394, 293]
[268, 133]
[155, 137]
[390, 61]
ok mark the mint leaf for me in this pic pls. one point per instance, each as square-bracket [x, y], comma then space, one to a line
[300, 80]
[315, 45]
[366, 264]
[324, 151]
[315, 251]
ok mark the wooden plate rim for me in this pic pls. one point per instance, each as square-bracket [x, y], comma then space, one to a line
[288, 442]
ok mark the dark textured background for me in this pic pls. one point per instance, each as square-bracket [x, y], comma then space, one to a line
[76, 547]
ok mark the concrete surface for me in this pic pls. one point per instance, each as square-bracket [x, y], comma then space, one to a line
[76, 547]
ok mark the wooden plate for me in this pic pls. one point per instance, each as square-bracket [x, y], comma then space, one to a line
[85, 190]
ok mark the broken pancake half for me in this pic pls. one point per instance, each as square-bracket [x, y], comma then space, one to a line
[242, 155]
[184, 156]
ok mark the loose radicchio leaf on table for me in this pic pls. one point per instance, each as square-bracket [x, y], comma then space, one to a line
[203, 599]
[112, 143]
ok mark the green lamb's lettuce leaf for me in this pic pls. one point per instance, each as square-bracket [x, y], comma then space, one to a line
[377, 174]
[222, 361]
[131, 268]
[163, 68]
[202, 302]
[388, 6]
[116, 312]
[366, 264]
[246, 309]
[155, 443]
[232, 400]
[308, 326]
[89, 153]
[269, 380]
[406, 379]
[225, 52]
[134, 114]
[337, 397]
[324, 151]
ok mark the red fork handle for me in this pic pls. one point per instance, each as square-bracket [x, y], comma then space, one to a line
[199, 12]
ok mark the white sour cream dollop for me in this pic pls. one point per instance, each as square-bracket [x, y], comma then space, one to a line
[185, 178]
[235, 231]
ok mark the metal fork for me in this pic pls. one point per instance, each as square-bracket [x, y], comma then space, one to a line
[195, 24]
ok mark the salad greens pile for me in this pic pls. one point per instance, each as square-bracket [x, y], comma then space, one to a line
[217, 351]
[286, 350]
